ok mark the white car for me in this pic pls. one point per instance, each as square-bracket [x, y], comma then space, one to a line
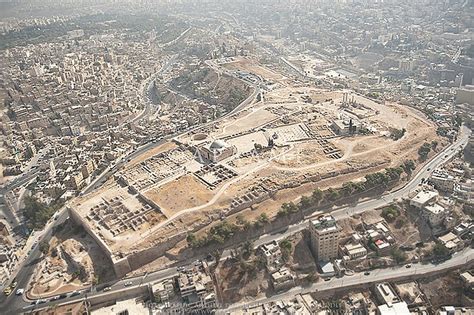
[20, 291]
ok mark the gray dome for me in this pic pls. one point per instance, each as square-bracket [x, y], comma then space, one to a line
[218, 144]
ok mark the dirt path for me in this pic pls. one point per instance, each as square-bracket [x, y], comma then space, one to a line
[218, 194]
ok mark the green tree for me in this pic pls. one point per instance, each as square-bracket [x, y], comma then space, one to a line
[439, 250]
[290, 207]
[305, 202]
[263, 218]
[408, 166]
[247, 249]
[332, 194]
[38, 213]
[348, 188]
[312, 277]
[423, 151]
[217, 256]
[371, 244]
[317, 195]
[394, 173]
[398, 255]
[390, 213]
[282, 212]
[44, 247]
[241, 220]
[285, 247]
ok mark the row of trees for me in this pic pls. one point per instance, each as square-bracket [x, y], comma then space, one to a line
[330, 195]
[224, 230]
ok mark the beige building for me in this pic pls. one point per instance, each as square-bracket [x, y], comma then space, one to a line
[452, 242]
[197, 289]
[272, 253]
[434, 214]
[217, 151]
[283, 278]
[324, 238]
[354, 250]
[422, 198]
[163, 291]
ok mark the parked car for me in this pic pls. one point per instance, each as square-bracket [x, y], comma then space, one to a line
[7, 291]
[367, 273]
[20, 291]
[408, 266]
[128, 283]
[107, 289]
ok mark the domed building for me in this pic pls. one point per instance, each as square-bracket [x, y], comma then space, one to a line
[217, 150]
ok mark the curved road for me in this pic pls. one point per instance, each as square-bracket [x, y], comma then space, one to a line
[459, 259]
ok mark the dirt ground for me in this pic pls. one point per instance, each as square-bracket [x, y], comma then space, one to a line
[182, 193]
[57, 274]
[162, 148]
[251, 120]
[252, 66]
[295, 160]
[444, 290]
[301, 260]
[238, 285]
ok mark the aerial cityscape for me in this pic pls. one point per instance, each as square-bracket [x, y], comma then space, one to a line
[237, 157]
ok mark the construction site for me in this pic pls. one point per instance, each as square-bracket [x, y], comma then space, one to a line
[289, 141]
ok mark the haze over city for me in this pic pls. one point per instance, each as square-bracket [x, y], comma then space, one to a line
[236, 157]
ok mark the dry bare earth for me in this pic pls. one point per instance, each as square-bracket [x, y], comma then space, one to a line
[445, 290]
[182, 193]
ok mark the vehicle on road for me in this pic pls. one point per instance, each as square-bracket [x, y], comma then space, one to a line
[54, 298]
[128, 283]
[367, 273]
[62, 296]
[20, 291]
[7, 291]
[40, 301]
[74, 293]
[107, 289]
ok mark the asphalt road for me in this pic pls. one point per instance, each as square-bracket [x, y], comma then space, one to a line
[347, 211]
[18, 303]
[376, 276]
[7, 304]
[6, 204]
[458, 259]
[26, 269]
